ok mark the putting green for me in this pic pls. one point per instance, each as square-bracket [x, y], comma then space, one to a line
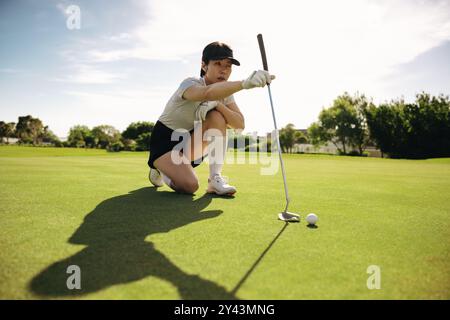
[96, 210]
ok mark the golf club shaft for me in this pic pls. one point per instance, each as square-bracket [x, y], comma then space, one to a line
[279, 150]
[262, 49]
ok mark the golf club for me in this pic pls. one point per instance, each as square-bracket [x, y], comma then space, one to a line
[285, 215]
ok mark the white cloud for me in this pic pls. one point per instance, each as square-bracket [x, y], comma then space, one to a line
[88, 74]
[385, 32]
[318, 49]
[124, 95]
[118, 108]
[11, 70]
[123, 36]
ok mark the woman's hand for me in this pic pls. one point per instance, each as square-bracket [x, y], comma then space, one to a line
[203, 109]
[257, 79]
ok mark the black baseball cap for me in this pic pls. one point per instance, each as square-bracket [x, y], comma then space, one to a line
[218, 51]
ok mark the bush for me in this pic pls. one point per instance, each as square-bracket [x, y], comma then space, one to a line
[58, 144]
[354, 153]
[412, 130]
[115, 146]
[128, 144]
[143, 142]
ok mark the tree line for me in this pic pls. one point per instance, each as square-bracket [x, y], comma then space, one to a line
[398, 129]
[352, 123]
[28, 130]
[136, 137]
[31, 131]
[415, 130]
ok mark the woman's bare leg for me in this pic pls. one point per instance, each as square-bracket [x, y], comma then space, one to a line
[182, 176]
[214, 120]
[215, 127]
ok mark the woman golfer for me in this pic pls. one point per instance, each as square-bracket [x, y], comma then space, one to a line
[209, 101]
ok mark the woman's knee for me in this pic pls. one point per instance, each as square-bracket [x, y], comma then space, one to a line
[187, 185]
[216, 118]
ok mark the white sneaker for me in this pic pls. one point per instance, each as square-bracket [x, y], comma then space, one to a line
[155, 178]
[219, 185]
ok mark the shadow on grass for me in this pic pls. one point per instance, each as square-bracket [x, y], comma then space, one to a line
[117, 253]
[253, 267]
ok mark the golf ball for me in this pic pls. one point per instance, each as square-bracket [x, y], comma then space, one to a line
[311, 218]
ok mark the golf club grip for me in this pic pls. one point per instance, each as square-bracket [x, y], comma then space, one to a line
[263, 51]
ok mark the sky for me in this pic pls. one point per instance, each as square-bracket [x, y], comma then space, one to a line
[127, 57]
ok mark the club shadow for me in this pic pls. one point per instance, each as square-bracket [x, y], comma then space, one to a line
[258, 260]
[116, 251]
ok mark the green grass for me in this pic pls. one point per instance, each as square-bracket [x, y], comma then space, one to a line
[94, 209]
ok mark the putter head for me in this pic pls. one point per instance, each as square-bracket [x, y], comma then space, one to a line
[289, 217]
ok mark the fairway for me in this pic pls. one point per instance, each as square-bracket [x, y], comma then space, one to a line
[97, 210]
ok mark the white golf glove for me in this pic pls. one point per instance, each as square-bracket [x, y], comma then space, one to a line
[257, 79]
[203, 109]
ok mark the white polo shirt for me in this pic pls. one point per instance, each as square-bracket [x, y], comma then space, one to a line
[179, 112]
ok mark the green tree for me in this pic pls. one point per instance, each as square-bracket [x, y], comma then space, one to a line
[386, 126]
[301, 137]
[360, 138]
[318, 135]
[143, 142]
[29, 130]
[7, 130]
[105, 135]
[128, 144]
[115, 146]
[80, 136]
[48, 136]
[137, 136]
[288, 138]
[343, 124]
[2, 131]
[135, 129]
[412, 130]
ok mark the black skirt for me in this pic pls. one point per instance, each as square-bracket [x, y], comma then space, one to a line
[161, 143]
